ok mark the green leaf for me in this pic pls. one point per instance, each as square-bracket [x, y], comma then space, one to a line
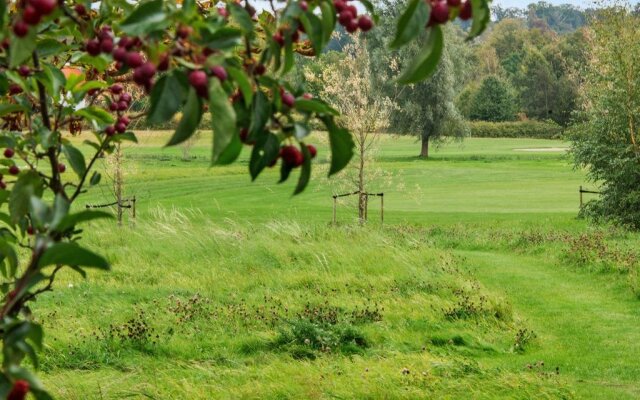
[341, 143]
[167, 96]
[57, 78]
[481, 17]
[40, 212]
[72, 254]
[50, 47]
[191, 116]
[127, 136]
[28, 184]
[22, 48]
[315, 106]
[426, 63]
[9, 108]
[328, 21]
[72, 220]
[3, 13]
[223, 38]
[226, 141]
[145, 18]
[305, 173]
[241, 17]
[73, 81]
[86, 86]
[288, 57]
[411, 23]
[285, 171]
[95, 178]
[314, 29]
[60, 210]
[95, 114]
[9, 253]
[368, 5]
[101, 63]
[188, 7]
[40, 394]
[260, 113]
[243, 82]
[265, 150]
[4, 217]
[75, 158]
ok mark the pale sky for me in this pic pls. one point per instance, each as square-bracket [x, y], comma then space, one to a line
[524, 3]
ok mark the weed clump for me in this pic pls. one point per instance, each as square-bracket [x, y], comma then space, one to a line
[306, 339]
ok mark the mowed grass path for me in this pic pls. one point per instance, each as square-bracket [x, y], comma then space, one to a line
[586, 324]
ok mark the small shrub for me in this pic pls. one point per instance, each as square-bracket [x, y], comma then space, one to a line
[471, 305]
[137, 331]
[303, 339]
[523, 338]
[592, 251]
[193, 308]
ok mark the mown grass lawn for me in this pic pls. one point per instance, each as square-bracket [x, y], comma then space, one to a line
[481, 284]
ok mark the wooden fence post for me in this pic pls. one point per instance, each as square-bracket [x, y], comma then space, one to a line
[581, 196]
[335, 201]
[366, 206]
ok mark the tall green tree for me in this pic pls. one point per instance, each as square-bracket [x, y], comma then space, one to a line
[537, 85]
[560, 18]
[425, 109]
[493, 101]
[607, 143]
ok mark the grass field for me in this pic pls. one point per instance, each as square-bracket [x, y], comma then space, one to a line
[481, 284]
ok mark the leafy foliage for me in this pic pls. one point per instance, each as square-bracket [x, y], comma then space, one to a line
[493, 101]
[516, 129]
[607, 143]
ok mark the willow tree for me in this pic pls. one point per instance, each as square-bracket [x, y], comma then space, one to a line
[425, 109]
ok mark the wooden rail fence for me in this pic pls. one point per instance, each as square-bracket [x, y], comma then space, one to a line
[366, 206]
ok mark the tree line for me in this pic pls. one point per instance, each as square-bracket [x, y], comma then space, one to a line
[525, 67]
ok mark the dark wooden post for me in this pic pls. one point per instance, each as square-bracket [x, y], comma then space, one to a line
[580, 196]
[366, 206]
[335, 201]
[134, 208]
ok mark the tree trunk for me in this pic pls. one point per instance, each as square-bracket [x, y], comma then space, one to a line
[118, 182]
[361, 197]
[424, 152]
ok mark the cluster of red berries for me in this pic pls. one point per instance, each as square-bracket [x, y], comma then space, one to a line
[441, 10]
[13, 169]
[119, 103]
[348, 17]
[126, 52]
[32, 13]
[19, 390]
[200, 80]
[293, 157]
[287, 98]
[14, 89]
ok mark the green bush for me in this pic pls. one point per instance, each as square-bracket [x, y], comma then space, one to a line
[519, 129]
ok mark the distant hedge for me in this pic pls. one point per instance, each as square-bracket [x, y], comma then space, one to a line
[519, 129]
